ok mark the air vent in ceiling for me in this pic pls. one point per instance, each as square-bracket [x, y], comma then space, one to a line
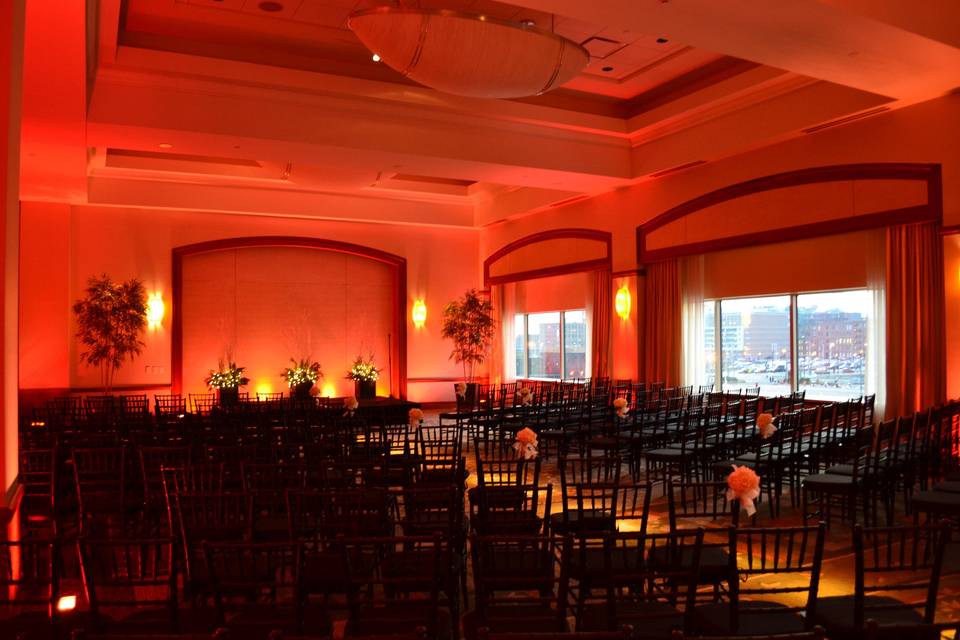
[132, 154]
[601, 47]
[453, 182]
[562, 203]
[846, 120]
[679, 167]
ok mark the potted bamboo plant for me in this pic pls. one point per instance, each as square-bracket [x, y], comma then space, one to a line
[469, 323]
[227, 380]
[110, 319]
[301, 377]
[364, 375]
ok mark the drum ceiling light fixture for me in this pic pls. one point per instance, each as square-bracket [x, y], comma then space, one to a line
[469, 54]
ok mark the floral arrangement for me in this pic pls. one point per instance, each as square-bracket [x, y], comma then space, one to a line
[350, 405]
[416, 417]
[461, 389]
[226, 377]
[620, 404]
[765, 425]
[301, 372]
[526, 444]
[526, 396]
[743, 484]
[364, 370]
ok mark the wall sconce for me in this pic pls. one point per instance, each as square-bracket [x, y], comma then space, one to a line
[419, 313]
[622, 303]
[155, 310]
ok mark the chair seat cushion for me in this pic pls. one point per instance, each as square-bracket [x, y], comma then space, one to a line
[514, 618]
[835, 614]
[841, 470]
[575, 520]
[948, 486]
[714, 562]
[590, 563]
[402, 616]
[756, 617]
[939, 501]
[648, 619]
[508, 523]
[666, 453]
[828, 481]
[497, 496]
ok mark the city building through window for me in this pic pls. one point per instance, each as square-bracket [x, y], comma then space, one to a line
[813, 342]
[551, 345]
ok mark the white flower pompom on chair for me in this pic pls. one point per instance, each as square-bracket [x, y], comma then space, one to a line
[350, 405]
[766, 425]
[526, 444]
[621, 407]
[416, 417]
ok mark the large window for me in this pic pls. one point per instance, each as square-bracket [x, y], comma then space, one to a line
[551, 345]
[813, 342]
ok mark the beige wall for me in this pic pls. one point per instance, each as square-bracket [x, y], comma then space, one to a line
[925, 133]
[63, 245]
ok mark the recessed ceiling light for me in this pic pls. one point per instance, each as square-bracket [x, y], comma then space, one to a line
[165, 145]
[376, 57]
[270, 6]
[528, 23]
[608, 69]
[662, 40]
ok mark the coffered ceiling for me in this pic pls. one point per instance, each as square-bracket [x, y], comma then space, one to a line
[274, 107]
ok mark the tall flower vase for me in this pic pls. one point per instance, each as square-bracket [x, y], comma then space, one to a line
[302, 391]
[471, 396]
[365, 389]
[229, 396]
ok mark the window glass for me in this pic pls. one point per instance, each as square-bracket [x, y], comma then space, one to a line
[832, 343]
[551, 345]
[575, 344]
[755, 344]
[518, 340]
[710, 343]
[543, 345]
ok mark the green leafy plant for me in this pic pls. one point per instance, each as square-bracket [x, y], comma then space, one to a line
[469, 323]
[110, 319]
[302, 371]
[364, 370]
[228, 376]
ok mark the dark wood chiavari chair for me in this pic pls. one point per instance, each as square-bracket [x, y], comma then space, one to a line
[521, 584]
[692, 505]
[257, 587]
[130, 584]
[668, 597]
[38, 481]
[757, 604]
[30, 572]
[901, 561]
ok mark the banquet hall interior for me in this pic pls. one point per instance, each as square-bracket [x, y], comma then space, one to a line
[480, 319]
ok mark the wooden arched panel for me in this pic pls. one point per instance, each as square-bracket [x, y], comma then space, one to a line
[549, 253]
[833, 199]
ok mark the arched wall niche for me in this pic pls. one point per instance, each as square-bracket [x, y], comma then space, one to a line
[833, 199]
[390, 271]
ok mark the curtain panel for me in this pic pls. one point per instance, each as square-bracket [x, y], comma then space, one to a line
[601, 312]
[694, 347]
[662, 311]
[915, 337]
